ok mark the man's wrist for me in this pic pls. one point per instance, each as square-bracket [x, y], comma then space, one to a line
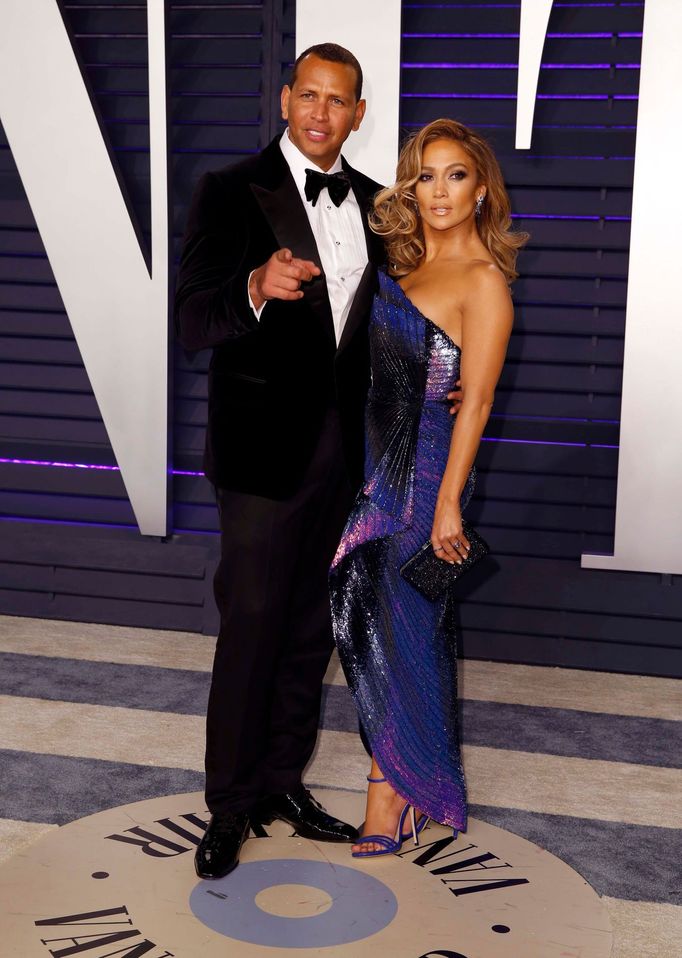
[256, 300]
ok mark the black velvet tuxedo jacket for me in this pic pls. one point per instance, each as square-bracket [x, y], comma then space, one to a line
[271, 380]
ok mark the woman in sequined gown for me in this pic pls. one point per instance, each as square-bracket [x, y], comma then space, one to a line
[443, 313]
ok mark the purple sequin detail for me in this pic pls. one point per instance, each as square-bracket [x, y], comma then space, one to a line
[398, 650]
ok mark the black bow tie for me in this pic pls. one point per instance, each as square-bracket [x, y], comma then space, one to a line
[338, 185]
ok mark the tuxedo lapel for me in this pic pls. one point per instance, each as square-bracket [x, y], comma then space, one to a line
[281, 204]
[362, 300]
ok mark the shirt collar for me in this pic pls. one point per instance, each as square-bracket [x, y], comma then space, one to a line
[298, 163]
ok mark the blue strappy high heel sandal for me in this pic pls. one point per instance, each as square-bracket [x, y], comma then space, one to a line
[391, 845]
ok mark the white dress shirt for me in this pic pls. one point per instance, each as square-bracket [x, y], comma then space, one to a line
[338, 232]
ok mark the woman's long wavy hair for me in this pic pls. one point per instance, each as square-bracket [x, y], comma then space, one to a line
[396, 216]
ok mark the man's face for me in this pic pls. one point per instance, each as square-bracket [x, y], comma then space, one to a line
[321, 109]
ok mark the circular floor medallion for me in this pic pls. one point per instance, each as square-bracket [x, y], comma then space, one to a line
[121, 882]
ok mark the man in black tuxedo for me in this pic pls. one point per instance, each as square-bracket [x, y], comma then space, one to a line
[277, 275]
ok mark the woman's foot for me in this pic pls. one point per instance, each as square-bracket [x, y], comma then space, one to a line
[384, 806]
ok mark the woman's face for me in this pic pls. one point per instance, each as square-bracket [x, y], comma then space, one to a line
[448, 186]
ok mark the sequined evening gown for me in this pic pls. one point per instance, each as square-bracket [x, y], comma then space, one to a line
[398, 649]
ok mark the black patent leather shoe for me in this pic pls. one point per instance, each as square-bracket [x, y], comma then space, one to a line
[306, 816]
[218, 851]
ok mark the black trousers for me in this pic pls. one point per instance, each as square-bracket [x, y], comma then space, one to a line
[275, 636]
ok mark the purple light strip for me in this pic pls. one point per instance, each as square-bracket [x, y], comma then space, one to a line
[67, 522]
[515, 36]
[547, 442]
[60, 465]
[82, 465]
[509, 6]
[514, 66]
[512, 96]
[187, 472]
[570, 216]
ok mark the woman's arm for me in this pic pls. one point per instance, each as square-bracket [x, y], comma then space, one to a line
[487, 317]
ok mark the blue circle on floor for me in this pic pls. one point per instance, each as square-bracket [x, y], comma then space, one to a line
[361, 905]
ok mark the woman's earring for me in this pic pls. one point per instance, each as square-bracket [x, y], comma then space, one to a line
[479, 204]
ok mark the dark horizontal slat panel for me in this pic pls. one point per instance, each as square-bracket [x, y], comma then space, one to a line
[28, 375]
[103, 483]
[536, 289]
[578, 319]
[532, 347]
[552, 516]
[573, 202]
[26, 578]
[191, 412]
[540, 430]
[193, 363]
[110, 549]
[49, 404]
[566, 585]
[189, 439]
[66, 508]
[132, 51]
[571, 653]
[25, 241]
[21, 602]
[564, 377]
[17, 295]
[458, 83]
[196, 516]
[214, 79]
[32, 323]
[571, 490]
[53, 430]
[528, 168]
[557, 405]
[123, 585]
[593, 234]
[504, 18]
[191, 384]
[488, 113]
[239, 137]
[194, 19]
[539, 261]
[570, 625]
[25, 269]
[111, 81]
[209, 138]
[548, 459]
[16, 349]
[544, 543]
[191, 107]
[156, 615]
[15, 212]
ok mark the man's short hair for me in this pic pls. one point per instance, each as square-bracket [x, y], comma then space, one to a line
[333, 53]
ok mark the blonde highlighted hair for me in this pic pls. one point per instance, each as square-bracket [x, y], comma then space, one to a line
[396, 216]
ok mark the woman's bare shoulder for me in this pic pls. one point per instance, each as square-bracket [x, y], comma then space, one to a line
[478, 277]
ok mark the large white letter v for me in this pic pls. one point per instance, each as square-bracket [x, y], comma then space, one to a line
[119, 313]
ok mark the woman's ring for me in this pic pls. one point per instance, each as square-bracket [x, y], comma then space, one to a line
[456, 543]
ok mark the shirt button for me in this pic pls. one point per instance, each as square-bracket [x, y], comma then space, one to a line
[338, 242]
[343, 279]
[329, 207]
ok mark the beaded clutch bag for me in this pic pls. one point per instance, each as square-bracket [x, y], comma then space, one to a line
[432, 576]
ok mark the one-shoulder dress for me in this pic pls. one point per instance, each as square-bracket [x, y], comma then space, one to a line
[398, 650]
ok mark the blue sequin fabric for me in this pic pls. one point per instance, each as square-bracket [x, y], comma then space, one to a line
[398, 650]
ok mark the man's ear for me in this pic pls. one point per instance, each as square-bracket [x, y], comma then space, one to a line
[359, 113]
[284, 101]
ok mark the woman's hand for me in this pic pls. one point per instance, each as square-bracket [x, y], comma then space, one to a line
[447, 537]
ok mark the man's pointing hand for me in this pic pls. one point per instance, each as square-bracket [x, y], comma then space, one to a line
[281, 278]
